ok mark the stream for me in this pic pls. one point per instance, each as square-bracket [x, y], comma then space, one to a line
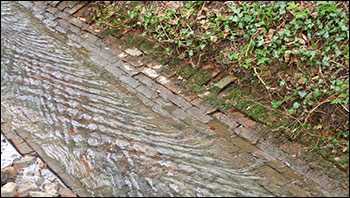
[103, 135]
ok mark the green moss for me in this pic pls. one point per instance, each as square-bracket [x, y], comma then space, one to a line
[197, 89]
[186, 71]
[201, 77]
[214, 89]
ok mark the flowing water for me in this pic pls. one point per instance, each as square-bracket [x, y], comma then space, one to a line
[104, 136]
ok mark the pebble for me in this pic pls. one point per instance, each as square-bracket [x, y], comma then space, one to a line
[8, 189]
[25, 161]
[41, 194]
[133, 52]
[7, 174]
[25, 186]
[51, 188]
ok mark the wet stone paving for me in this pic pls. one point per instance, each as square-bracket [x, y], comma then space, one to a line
[108, 127]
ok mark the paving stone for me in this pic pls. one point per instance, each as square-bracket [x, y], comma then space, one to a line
[131, 70]
[272, 175]
[54, 3]
[41, 194]
[8, 190]
[252, 135]
[196, 112]
[296, 191]
[24, 148]
[244, 145]
[241, 119]
[146, 91]
[275, 189]
[226, 120]
[76, 8]
[64, 192]
[134, 52]
[150, 72]
[136, 62]
[62, 15]
[40, 4]
[122, 55]
[52, 10]
[99, 60]
[130, 81]
[180, 114]
[76, 22]
[162, 80]
[74, 29]
[116, 71]
[71, 4]
[162, 102]
[225, 81]
[50, 23]
[60, 29]
[26, 4]
[63, 23]
[265, 156]
[62, 5]
[180, 102]
[293, 148]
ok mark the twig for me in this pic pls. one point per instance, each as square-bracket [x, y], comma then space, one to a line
[312, 110]
[262, 80]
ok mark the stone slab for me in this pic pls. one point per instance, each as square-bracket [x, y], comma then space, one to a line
[225, 81]
[196, 112]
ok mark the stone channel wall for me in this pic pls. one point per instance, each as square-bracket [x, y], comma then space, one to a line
[157, 91]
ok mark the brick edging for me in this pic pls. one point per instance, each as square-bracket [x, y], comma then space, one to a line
[157, 89]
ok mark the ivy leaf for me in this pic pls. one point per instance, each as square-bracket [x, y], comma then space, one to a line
[190, 53]
[276, 103]
[316, 93]
[296, 105]
[302, 94]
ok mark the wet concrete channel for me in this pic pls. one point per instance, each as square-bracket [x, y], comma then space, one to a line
[101, 132]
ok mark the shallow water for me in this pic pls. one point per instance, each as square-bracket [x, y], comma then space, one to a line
[103, 135]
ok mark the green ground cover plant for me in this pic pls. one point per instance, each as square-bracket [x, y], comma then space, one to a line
[295, 54]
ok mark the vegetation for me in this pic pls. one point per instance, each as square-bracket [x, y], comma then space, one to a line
[297, 53]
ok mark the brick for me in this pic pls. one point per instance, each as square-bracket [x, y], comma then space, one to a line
[146, 91]
[74, 29]
[99, 60]
[76, 8]
[24, 149]
[241, 119]
[162, 80]
[136, 62]
[63, 23]
[244, 145]
[226, 120]
[62, 15]
[297, 191]
[225, 81]
[52, 10]
[180, 102]
[196, 112]
[76, 22]
[54, 3]
[116, 71]
[252, 135]
[65, 192]
[130, 81]
[272, 175]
